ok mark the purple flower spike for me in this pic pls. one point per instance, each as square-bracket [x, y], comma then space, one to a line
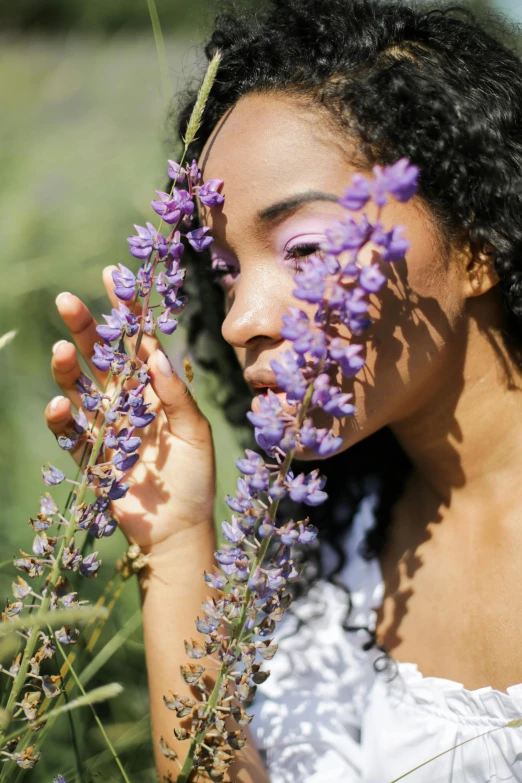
[124, 283]
[198, 240]
[347, 356]
[208, 193]
[357, 195]
[51, 475]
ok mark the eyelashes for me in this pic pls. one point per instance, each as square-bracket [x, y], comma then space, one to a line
[225, 274]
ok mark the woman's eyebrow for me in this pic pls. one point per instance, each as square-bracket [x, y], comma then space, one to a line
[290, 204]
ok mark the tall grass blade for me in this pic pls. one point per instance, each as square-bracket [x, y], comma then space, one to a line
[94, 666]
[95, 715]
[166, 86]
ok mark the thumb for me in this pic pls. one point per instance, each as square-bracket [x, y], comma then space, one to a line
[183, 415]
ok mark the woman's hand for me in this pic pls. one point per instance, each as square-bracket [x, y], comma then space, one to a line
[172, 486]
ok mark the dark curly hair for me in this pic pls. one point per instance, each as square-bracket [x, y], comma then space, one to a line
[437, 85]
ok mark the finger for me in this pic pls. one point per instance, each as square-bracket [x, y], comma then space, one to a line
[148, 344]
[82, 327]
[59, 419]
[66, 370]
[184, 418]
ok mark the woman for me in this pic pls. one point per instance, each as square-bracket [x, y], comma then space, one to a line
[429, 555]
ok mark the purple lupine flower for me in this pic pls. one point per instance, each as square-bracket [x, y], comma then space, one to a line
[251, 464]
[307, 533]
[51, 475]
[394, 245]
[242, 502]
[266, 421]
[289, 376]
[216, 580]
[67, 635]
[171, 207]
[103, 526]
[402, 179]
[345, 235]
[321, 441]
[296, 328]
[357, 195]
[208, 193]
[307, 488]
[175, 172]
[90, 566]
[166, 324]
[194, 172]
[347, 356]
[176, 247]
[198, 240]
[141, 416]
[232, 532]
[102, 358]
[124, 283]
[311, 281]
[118, 490]
[147, 240]
[124, 462]
[371, 279]
[47, 505]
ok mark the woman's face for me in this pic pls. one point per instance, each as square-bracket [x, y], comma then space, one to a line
[283, 171]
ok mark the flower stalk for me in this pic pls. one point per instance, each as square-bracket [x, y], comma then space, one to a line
[113, 450]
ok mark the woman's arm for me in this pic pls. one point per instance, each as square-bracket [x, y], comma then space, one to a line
[173, 589]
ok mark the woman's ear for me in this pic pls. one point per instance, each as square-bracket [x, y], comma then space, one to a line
[480, 275]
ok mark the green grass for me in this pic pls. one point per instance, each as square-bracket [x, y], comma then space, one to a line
[82, 148]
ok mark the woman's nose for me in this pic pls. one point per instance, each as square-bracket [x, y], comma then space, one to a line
[255, 314]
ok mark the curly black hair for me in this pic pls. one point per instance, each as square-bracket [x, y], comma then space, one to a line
[438, 85]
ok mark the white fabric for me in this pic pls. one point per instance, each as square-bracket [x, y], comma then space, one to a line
[325, 715]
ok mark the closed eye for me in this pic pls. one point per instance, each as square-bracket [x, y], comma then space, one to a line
[298, 252]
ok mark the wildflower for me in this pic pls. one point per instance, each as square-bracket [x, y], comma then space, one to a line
[208, 193]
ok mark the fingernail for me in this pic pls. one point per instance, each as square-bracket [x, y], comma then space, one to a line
[57, 345]
[64, 293]
[55, 402]
[164, 365]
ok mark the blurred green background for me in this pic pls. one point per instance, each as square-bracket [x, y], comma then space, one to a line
[83, 145]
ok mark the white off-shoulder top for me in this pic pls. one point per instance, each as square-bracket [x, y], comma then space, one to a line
[325, 715]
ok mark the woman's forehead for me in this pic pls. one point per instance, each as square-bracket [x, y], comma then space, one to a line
[268, 147]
